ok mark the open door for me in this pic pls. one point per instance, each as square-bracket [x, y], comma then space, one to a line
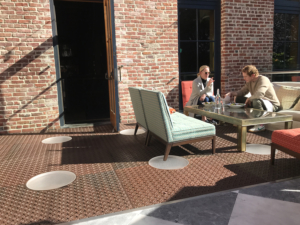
[110, 62]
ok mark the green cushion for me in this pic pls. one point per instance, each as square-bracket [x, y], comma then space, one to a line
[185, 127]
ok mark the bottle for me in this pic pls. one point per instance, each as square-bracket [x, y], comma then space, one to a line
[218, 100]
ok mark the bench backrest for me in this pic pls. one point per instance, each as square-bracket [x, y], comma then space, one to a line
[138, 107]
[157, 114]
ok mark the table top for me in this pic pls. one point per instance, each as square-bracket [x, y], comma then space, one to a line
[239, 116]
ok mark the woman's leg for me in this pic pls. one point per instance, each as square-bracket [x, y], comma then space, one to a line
[206, 99]
[211, 99]
[200, 103]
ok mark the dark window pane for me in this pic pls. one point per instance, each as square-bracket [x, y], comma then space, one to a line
[187, 24]
[278, 77]
[206, 25]
[189, 77]
[283, 77]
[291, 56]
[206, 54]
[188, 56]
[279, 27]
[278, 55]
[292, 25]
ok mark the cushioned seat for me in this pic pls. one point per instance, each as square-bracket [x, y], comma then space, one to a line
[287, 140]
[175, 129]
[185, 127]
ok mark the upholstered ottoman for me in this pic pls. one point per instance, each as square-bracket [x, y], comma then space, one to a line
[287, 141]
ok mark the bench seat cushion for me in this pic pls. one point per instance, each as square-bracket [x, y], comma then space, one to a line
[288, 138]
[185, 127]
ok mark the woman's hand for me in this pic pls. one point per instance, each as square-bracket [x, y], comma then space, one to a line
[211, 80]
[202, 97]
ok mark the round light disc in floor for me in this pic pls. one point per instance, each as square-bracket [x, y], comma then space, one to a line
[131, 131]
[259, 149]
[173, 162]
[56, 140]
[50, 180]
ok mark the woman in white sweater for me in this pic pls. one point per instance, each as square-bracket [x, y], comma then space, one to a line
[202, 89]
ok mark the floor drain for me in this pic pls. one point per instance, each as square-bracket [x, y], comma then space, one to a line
[259, 149]
[56, 140]
[173, 162]
[131, 132]
[50, 180]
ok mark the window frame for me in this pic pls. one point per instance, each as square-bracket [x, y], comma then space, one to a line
[288, 7]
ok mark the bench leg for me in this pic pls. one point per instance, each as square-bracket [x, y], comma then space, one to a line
[148, 138]
[288, 125]
[167, 151]
[273, 149]
[136, 128]
[213, 145]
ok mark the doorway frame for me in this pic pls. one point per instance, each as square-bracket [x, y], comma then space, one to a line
[57, 62]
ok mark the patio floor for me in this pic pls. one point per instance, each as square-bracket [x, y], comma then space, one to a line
[113, 173]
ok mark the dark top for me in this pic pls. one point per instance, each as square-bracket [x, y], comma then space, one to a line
[204, 82]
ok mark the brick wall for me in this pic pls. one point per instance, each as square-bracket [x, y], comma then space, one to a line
[28, 95]
[246, 38]
[147, 47]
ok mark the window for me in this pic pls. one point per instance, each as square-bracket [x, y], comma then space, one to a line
[196, 41]
[286, 53]
[285, 47]
[199, 34]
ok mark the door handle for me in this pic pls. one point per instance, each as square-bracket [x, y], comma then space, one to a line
[119, 68]
[106, 77]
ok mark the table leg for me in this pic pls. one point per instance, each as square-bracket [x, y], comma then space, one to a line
[288, 125]
[241, 136]
[221, 123]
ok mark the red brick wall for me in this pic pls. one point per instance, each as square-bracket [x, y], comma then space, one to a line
[28, 97]
[246, 38]
[147, 47]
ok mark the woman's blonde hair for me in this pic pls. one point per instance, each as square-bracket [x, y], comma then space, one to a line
[201, 69]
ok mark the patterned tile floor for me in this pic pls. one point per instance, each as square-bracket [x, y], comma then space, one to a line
[271, 203]
[113, 173]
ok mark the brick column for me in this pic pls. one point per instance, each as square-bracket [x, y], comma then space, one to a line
[28, 98]
[147, 47]
[246, 38]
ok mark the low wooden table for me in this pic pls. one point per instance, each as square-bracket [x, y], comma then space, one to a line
[242, 117]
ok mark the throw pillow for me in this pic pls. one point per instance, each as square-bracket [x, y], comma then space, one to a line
[296, 106]
[287, 95]
[295, 102]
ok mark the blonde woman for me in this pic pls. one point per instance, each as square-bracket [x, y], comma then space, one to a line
[202, 90]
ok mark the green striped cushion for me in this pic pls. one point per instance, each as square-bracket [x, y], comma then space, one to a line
[157, 114]
[185, 127]
[138, 106]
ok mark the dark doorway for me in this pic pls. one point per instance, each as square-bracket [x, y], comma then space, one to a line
[82, 52]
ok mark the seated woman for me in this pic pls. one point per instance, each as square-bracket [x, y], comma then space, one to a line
[202, 90]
